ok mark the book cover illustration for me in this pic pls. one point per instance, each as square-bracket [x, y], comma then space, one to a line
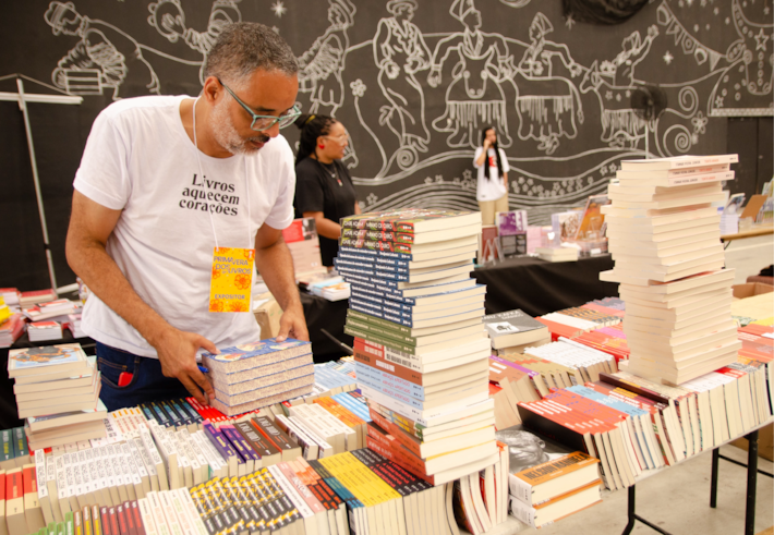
[254, 349]
[565, 226]
[592, 222]
[513, 222]
[35, 357]
[527, 449]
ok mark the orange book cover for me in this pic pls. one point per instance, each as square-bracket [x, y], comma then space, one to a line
[573, 492]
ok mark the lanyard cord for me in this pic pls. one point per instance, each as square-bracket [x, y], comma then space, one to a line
[206, 188]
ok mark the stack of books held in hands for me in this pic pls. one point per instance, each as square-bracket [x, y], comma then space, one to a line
[547, 481]
[57, 391]
[249, 376]
[664, 236]
[421, 350]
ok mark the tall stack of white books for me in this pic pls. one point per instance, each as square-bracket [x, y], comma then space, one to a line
[664, 235]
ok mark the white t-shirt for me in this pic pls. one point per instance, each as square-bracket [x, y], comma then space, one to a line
[490, 189]
[139, 159]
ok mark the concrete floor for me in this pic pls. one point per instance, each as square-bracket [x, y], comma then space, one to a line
[677, 500]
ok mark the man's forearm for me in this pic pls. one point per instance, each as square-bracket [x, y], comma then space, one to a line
[275, 265]
[101, 274]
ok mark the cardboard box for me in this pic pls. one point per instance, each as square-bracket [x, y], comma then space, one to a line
[765, 443]
[268, 315]
[751, 289]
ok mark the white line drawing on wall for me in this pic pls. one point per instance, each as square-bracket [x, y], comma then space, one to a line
[104, 58]
[400, 52]
[547, 105]
[548, 87]
[751, 68]
[612, 82]
[168, 17]
[474, 98]
[321, 67]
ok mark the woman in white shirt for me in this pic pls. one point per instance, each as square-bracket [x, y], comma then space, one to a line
[492, 187]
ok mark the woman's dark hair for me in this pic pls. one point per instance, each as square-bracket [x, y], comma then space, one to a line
[497, 153]
[311, 126]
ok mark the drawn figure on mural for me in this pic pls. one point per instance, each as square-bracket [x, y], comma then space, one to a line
[322, 65]
[400, 52]
[105, 57]
[168, 17]
[546, 104]
[752, 64]
[474, 96]
[613, 82]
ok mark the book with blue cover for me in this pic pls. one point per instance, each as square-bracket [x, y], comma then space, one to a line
[49, 359]
[245, 356]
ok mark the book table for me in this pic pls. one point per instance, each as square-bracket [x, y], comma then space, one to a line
[512, 526]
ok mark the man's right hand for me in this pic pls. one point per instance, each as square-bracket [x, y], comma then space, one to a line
[177, 353]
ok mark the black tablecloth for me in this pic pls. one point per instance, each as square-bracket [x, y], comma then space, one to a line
[323, 314]
[538, 287]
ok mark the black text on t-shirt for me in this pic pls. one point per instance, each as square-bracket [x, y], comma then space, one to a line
[217, 197]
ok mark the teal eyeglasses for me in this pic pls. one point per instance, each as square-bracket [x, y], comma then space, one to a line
[262, 123]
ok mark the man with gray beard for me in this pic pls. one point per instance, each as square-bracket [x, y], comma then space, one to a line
[169, 191]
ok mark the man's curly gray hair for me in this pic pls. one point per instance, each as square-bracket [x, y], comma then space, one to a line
[243, 47]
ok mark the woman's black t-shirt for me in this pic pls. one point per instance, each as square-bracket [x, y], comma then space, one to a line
[325, 188]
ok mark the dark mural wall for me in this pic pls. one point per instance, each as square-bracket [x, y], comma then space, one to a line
[413, 81]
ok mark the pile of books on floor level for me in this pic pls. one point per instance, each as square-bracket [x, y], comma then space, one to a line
[547, 481]
[665, 239]
[57, 391]
[420, 348]
[250, 376]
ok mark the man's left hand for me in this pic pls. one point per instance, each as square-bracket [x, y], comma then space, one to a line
[293, 325]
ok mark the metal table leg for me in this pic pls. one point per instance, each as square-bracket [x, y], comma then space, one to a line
[714, 478]
[752, 479]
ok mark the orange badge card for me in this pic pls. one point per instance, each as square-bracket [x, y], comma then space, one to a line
[232, 279]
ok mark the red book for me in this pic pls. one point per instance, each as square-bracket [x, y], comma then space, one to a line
[135, 513]
[369, 355]
[128, 518]
[104, 521]
[558, 329]
[113, 519]
[30, 480]
[387, 446]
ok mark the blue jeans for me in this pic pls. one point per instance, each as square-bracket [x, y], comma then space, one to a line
[147, 384]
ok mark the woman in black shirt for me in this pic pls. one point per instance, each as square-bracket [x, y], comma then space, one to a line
[324, 188]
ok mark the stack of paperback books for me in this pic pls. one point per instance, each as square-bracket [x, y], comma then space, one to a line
[547, 481]
[57, 390]
[250, 376]
[421, 350]
[664, 235]
[513, 331]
